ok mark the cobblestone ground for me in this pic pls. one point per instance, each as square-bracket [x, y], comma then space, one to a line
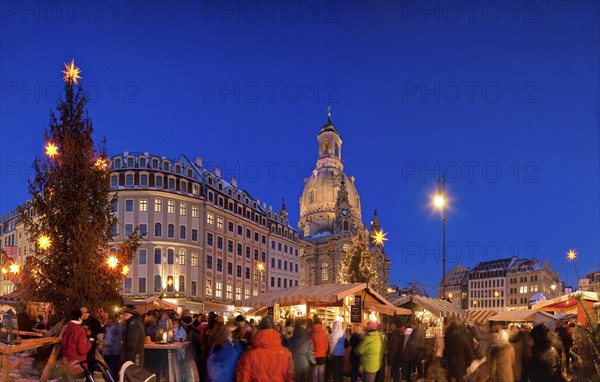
[24, 367]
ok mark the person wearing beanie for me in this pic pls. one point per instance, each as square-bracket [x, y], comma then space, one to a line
[371, 350]
[320, 344]
[355, 339]
[267, 359]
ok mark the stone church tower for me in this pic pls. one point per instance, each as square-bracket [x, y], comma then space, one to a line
[330, 215]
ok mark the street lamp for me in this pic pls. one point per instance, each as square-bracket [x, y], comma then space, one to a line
[572, 256]
[440, 202]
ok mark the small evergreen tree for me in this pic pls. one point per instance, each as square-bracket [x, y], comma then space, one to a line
[587, 339]
[70, 217]
[358, 265]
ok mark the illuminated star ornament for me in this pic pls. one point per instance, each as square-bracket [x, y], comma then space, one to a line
[112, 261]
[125, 270]
[44, 242]
[14, 268]
[71, 72]
[51, 150]
[571, 255]
[379, 237]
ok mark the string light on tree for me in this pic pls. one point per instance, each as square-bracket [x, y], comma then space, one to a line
[44, 242]
[51, 150]
[125, 270]
[71, 72]
[4, 270]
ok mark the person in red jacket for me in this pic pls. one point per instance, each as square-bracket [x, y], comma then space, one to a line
[267, 359]
[321, 345]
[75, 344]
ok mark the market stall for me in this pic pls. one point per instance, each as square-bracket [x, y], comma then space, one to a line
[580, 303]
[481, 316]
[526, 316]
[354, 303]
[147, 304]
[432, 312]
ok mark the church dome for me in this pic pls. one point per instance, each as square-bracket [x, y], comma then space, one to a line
[318, 200]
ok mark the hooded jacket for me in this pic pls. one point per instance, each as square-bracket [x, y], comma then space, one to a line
[221, 364]
[302, 350]
[371, 350]
[267, 360]
[336, 340]
[320, 340]
[74, 342]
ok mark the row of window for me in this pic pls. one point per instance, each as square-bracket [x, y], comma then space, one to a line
[143, 162]
[158, 231]
[291, 251]
[210, 219]
[168, 257]
[523, 279]
[487, 283]
[169, 285]
[285, 265]
[219, 287]
[521, 300]
[495, 303]
[524, 289]
[158, 206]
[159, 182]
[285, 282]
[486, 293]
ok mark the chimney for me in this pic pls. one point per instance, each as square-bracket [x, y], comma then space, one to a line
[234, 182]
[217, 172]
[198, 161]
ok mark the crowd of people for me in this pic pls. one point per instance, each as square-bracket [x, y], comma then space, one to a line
[305, 350]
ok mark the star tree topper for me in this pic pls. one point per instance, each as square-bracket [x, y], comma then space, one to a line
[71, 72]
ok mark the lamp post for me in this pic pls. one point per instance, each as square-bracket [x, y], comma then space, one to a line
[440, 202]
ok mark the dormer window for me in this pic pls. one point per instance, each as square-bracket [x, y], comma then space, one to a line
[210, 181]
[154, 163]
[220, 187]
[166, 166]
[130, 162]
[118, 163]
[142, 162]
[190, 173]
[178, 169]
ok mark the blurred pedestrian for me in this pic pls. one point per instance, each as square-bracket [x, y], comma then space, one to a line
[224, 355]
[371, 350]
[303, 351]
[267, 359]
[502, 356]
[133, 337]
[337, 347]
[458, 351]
[394, 351]
[545, 365]
[321, 345]
[354, 341]
[92, 329]
[111, 346]
[75, 346]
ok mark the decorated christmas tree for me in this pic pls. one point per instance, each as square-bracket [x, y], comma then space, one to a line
[358, 265]
[69, 217]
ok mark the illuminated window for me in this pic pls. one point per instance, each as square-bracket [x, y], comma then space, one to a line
[325, 272]
[181, 283]
[306, 230]
[208, 288]
[182, 257]
[219, 222]
[171, 207]
[194, 211]
[238, 293]
[229, 292]
[247, 293]
[143, 205]
[158, 205]
[182, 209]
[210, 218]
[218, 286]
[194, 260]
[157, 283]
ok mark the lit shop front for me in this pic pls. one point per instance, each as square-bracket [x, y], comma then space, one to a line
[431, 312]
[352, 303]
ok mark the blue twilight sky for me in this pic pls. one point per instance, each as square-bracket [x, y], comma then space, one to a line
[502, 96]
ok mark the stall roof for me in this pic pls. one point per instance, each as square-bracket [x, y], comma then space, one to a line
[152, 302]
[565, 303]
[526, 315]
[481, 316]
[323, 294]
[434, 305]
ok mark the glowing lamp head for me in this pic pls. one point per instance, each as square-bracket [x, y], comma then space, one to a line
[439, 201]
[51, 150]
[14, 268]
[125, 270]
[44, 242]
[390, 290]
[112, 261]
[496, 294]
[260, 266]
[571, 255]
[450, 295]
[379, 237]
[170, 282]
[553, 286]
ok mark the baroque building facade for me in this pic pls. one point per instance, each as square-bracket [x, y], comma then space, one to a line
[203, 237]
[330, 216]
